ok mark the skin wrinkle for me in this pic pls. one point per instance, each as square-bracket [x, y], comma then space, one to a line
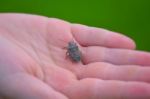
[106, 72]
[32, 56]
[132, 72]
[130, 59]
[25, 48]
[11, 51]
[137, 89]
[49, 46]
[41, 64]
[60, 37]
[126, 73]
[140, 76]
[37, 73]
[89, 31]
[111, 56]
[13, 37]
[86, 55]
[86, 72]
[64, 84]
[49, 54]
[104, 39]
[83, 52]
[33, 88]
[46, 77]
[96, 90]
[82, 84]
[101, 56]
[85, 38]
[76, 38]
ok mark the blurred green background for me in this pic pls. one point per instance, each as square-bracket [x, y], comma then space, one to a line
[130, 17]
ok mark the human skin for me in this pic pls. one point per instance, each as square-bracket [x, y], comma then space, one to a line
[33, 63]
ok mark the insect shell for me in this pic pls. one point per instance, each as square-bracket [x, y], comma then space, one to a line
[73, 52]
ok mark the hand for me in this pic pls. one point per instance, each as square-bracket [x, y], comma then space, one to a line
[33, 62]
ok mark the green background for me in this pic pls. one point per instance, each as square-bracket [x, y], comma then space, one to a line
[130, 17]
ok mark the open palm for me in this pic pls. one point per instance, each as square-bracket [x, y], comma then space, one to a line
[33, 63]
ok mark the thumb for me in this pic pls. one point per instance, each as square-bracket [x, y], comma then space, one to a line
[23, 86]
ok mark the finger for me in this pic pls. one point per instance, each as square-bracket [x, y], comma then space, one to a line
[107, 71]
[58, 32]
[115, 56]
[22, 86]
[91, 36]
[101, 89]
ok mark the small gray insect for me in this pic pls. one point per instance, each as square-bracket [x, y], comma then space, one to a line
[73, 52]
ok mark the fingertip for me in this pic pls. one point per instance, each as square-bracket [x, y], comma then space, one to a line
[130, 43]
[120, 41]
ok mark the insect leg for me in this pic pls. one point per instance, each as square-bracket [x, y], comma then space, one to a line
[67, 54]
